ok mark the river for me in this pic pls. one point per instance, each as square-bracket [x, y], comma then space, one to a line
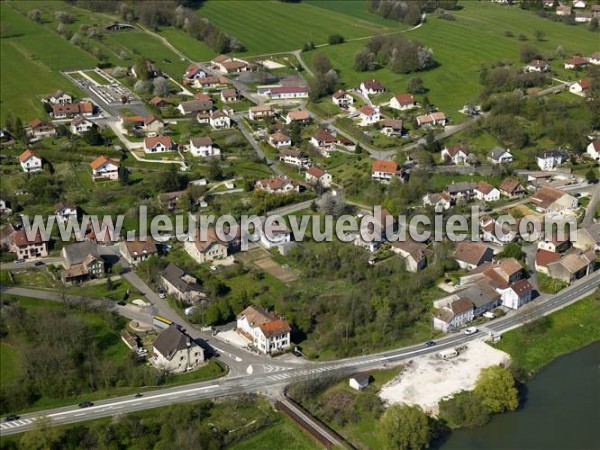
[561, 411]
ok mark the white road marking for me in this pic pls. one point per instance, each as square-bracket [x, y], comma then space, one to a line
[136, 404]
[80, 414]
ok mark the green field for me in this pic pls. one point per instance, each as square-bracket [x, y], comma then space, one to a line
[285, 435]
[462, 46]
[9, 359]
[567, 330]
[28, 53]
[190, 47]
[272, 26]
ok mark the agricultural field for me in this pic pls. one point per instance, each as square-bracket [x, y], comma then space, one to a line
[272, 26]
[456, 80]
[30, 57]
[190, 47]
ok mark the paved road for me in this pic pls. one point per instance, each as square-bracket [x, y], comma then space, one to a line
[590, 212]
[30, 263]
[257, 148]
[259, 382]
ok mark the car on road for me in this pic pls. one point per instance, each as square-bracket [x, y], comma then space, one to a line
[39, 263]
[86, 404]
[11, 418]
[162, 293]
[471, 330]
[19, 261]
[430, 343]
[138, 395]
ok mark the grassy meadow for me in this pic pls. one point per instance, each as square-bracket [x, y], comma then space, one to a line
[272, 26]
[461, 47]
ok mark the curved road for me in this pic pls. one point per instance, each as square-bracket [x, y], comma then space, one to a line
[265, 381]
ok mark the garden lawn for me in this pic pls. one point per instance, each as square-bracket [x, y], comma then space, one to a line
[456, 80]
[569, 329]
[271, 26]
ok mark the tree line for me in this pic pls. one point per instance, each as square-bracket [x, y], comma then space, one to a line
[397, 53]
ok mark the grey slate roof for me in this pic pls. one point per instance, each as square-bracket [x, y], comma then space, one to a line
[76, 253]
[174, 275]
[171, 340]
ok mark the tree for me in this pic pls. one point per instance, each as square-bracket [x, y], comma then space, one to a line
[591, 176]
[43, 435]
[123, 174]
[76, 39]
[93, 136]
[529, 53]
[214, 170]
[415, 86]
[464, 410]
[593, 25]
[512, 250]
[335, 39]
[539, 34]
[35, 15]
[496, 388]
[321, 63]
[160, 86]
[364, 60]
[405, 427]
[560, 52]
[141, 69]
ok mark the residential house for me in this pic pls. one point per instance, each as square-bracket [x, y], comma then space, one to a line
[550, 200]
[371, 87]
[403, 102]
[279, 140]
[287, 92]
[206, 248]
[543, 258]
[267, 331]
[500, 233]
[6, 236]
[555, 243]
[64, 212]
[158, 144]
[203, 97]
[227, 64]
[383, 170]
[230, 95]
[182, 286]
[499, 155]
[26, 247]
[175, 351]
[278, 185]
[461, 307]
[392, 127]
[203, 147]
[105, 168]
[274, 235]
[588, 238]
[456, 155]
[576, 62]
[210, 82]
[70, 110]
[549, 160]
[317, 176]
[134, 252]
[59, 98]
[194, 107]
[293, 157]
[469, 255]
[594, 58]
[133, 123]
[435, 118]
[323, 139]
[38, 129]
[342, 98]
[583, 16]
[30, 162]
[581, 87]
[299, 115]
[537, 65]
[260, 112]
[153, 124]
[580, 4]
[170, 200]
[218, 120]
[463, 190]
[415, 254]
[192, 73]
[439, 201]
[369, 115]
[82, 262]
[80, 125]
[160, 102]
[572, 266]
[486, 192]
[511, 188]
[593, 150]
[563, 10]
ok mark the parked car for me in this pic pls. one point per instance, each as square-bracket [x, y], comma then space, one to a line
[86, 404]
[11, 418]
[162, 293]
[471, 330]
[39, 263]
[429, 343]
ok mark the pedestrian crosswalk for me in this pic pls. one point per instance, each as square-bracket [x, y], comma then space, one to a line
[15, 424]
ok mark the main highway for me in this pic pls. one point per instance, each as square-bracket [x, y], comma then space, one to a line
[260, 382]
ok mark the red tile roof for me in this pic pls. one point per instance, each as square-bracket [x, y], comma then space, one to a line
[544, 257]
[385, 166]
[404, 99]
[151, 142]
[275, 328]
[315, 171]
[26, 155]
[101, 160]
